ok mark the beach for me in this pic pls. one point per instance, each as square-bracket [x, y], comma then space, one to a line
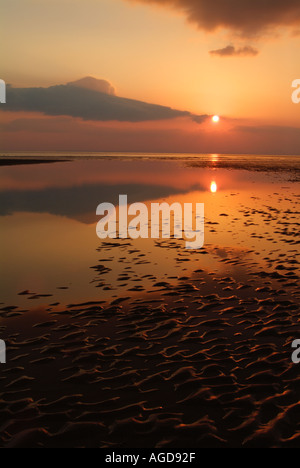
[120, 343]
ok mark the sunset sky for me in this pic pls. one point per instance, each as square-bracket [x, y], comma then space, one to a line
[190, 59]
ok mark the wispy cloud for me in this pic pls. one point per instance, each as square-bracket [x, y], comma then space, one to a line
[280, 130]
[232, 51]
[89, 82]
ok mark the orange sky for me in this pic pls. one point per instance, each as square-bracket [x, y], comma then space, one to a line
[161, 55]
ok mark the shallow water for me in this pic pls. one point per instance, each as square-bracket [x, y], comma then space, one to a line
[48, 219]
[144, 343]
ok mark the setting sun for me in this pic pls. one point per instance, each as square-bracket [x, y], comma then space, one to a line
[215, 118]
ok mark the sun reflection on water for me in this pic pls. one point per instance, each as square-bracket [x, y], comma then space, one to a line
[213, 186]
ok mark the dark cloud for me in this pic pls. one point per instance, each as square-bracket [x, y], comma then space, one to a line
[245, 17]
[89, 104]
[231, 51]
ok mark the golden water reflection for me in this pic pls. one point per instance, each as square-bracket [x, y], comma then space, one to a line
[213, 186]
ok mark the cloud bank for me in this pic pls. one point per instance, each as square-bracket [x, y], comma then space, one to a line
[68, 134]
[89, 99]
[230, 51]
[89, 82]
[248, 18]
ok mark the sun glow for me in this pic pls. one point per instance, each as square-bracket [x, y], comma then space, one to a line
[213, 187]
[215, 118]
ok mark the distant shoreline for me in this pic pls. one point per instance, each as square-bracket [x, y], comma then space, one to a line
[15, 162]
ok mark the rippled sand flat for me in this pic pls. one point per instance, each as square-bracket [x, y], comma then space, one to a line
[172, 348]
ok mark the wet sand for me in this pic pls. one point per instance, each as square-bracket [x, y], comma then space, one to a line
[200, 358]
[204, 364]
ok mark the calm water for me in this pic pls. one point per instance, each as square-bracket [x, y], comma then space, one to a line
[228, 160]
[48, 220]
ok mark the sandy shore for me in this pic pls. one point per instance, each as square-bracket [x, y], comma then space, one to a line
[205, 363]
[170, 348]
